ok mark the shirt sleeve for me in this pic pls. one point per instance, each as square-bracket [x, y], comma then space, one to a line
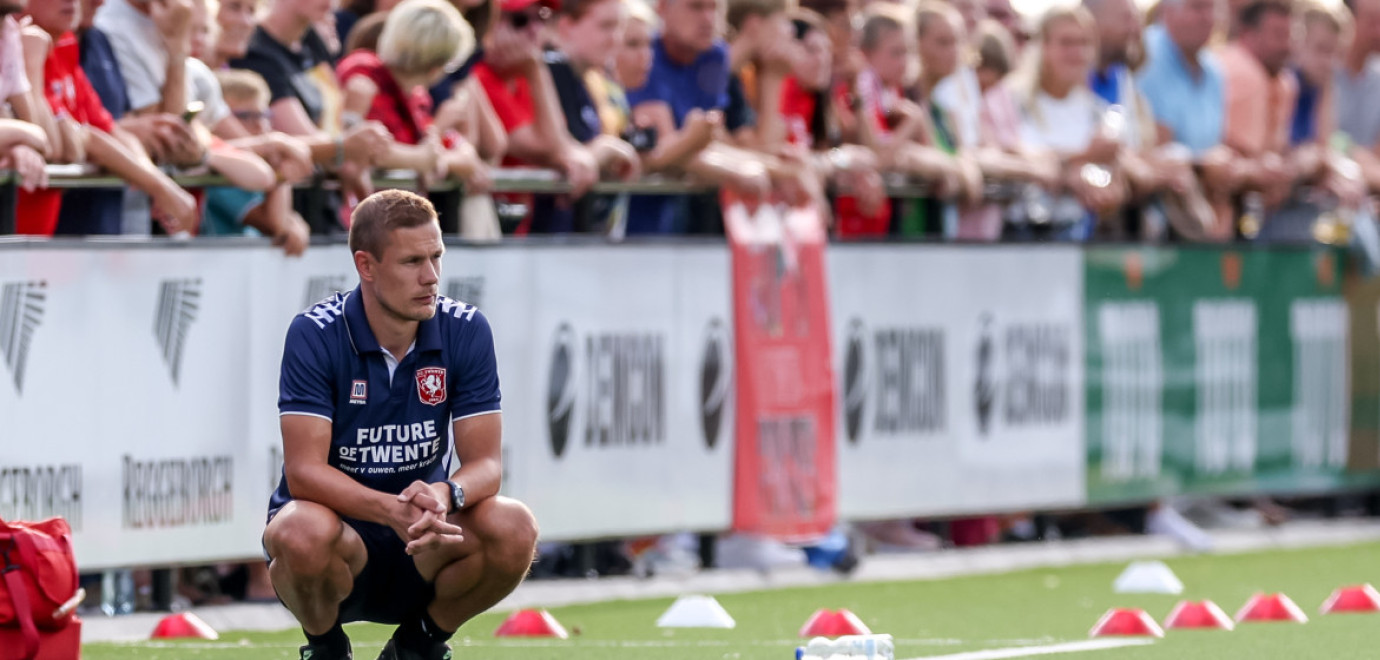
[88, 101]
[510, 110]
[305, 384]
[137, 60]
[474, 390]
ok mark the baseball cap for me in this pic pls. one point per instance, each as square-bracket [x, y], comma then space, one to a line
[511, 6]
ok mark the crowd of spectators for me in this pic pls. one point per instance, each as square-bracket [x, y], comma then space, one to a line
[1191, 121]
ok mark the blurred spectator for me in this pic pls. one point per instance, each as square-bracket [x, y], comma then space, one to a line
[632, 66]
[761, 52]
[153, 42]
[291, 57]
[519, 85]
[1315, 63]
[884, 121]
[421, 39]
[1061, 114]
[686, 92]
[1357, 82]
[89, 133]
[809, 113]
[482, 15]
[235, 20]
[1260, 101]
[959, 94]
[1157, 176]
[596, 111]
[233, 211]
[942, 42]
[1185, 87]
[33, 136]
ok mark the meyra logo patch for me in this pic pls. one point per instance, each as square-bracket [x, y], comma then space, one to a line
[431, 385]
[359, 392]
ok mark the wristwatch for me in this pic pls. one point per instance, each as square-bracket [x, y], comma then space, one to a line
[457, 496]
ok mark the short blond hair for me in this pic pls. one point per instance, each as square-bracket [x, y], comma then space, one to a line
[640, 10]
[424, 35]
[243, 85]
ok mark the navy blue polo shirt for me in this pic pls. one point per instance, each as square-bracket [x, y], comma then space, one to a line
[387, 432]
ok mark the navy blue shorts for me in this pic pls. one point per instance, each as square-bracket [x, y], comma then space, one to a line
[389, 589]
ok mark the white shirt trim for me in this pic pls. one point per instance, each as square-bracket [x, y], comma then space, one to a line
[285, 413]
[455, 419]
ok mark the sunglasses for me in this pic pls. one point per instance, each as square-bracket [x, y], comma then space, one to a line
[252, 115]
[521, 20]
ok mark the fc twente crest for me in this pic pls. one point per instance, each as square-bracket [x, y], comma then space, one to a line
[431, 385]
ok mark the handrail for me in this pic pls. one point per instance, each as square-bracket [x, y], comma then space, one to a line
[505, 180]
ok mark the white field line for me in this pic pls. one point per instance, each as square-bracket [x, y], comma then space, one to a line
[1051, 649]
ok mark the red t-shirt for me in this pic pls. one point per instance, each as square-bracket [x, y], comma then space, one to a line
[69, 94]
[406, 114]
[798, 108]
[511, 99]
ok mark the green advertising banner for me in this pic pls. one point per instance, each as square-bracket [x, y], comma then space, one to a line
[1213, 371]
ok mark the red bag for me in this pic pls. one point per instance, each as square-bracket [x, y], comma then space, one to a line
[38, 575]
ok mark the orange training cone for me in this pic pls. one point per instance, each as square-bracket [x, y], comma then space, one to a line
[1202, 614]
[1271, 607]
[1126, 623]
[827, 623]
[1360, 598]
[531, 623]
[183, 624]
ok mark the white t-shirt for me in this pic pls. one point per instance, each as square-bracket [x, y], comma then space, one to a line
[960, 96]
[139, 50]
[1064, 125]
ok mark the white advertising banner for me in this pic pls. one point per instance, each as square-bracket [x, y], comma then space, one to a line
[620, 425]
[961, 379]
[140, 385]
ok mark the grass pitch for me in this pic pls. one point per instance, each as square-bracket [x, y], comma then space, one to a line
[928, 618]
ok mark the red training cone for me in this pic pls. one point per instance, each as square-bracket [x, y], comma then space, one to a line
[531, 623]
[1202, 614]
[1126, 623]
[183, 624]
[1360, 598]
[1271, 607]
[827, 623]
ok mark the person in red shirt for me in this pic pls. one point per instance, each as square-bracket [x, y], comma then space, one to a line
[89, 134]
[808, 113]
[523, 96]
[421, 40]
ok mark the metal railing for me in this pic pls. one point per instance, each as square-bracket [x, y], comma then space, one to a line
[504, 180]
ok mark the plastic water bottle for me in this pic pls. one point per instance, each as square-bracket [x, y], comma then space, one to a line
[117, 592]
[851, 647]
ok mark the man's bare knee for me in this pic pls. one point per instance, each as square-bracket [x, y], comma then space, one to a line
[303, 538]
[511, 537]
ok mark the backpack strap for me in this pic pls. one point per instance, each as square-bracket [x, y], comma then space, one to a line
[19, 595]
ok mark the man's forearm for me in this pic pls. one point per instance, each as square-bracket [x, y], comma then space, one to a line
[481, 479]
[335, 490]
[175, 86]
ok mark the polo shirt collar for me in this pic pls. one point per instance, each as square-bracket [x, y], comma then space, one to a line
[362, 336]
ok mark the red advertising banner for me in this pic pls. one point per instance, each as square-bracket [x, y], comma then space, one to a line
[785, 480]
